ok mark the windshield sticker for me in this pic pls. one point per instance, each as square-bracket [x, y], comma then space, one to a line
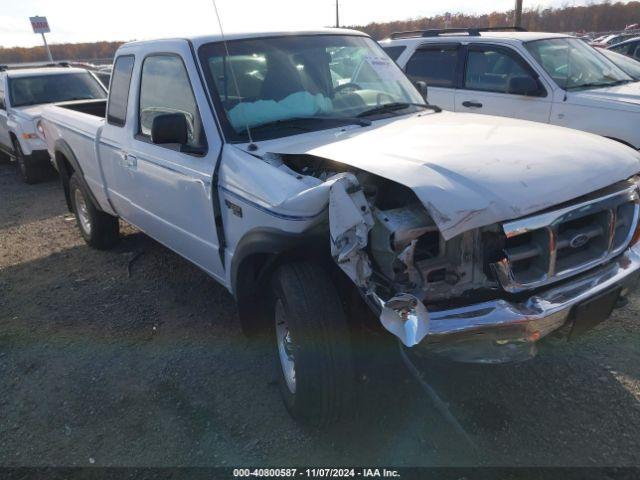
[385, 68]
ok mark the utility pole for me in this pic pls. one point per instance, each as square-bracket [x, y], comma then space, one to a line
[337, 13]
[518, 14]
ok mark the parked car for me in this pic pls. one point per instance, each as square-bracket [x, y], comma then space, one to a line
[23, 94]
[630, 48]
[629, 65]
[613, 39]
[311, 199]
[101, 72]
[544, 77]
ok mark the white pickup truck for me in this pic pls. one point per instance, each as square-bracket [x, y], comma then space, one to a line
[309, 195]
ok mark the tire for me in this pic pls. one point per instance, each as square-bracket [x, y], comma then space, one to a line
[99, 229]
[29, 173]
[312, 334]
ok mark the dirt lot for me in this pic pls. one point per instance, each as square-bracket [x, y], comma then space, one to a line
[133, 357]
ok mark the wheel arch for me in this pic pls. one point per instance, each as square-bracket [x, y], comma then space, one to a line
[257, 256]
[67, 164]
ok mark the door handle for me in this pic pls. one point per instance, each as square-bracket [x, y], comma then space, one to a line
[471, 104]
[131, 161]
[128, 160]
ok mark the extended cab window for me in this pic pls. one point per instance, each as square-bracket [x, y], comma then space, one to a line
[119, 92]
[436, 65]
[2, 102]
[491, 69]
[53, 88]
[165, 88]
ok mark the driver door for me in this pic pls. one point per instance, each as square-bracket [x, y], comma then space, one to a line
[168, 186]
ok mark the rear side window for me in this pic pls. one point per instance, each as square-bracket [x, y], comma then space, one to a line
[119, 92]
[165, 88]
[394, 52]
[435, 65]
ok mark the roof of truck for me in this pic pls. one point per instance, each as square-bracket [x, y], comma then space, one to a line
[200, 39]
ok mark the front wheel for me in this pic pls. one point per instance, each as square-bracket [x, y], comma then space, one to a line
[313, 354]
[99, 229]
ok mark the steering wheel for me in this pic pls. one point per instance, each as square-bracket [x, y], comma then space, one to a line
[347, 86]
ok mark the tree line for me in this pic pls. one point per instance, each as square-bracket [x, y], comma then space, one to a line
[601, 17]
[95, 51]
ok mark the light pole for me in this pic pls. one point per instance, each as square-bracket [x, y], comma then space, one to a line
[337, 13]
[518, 14]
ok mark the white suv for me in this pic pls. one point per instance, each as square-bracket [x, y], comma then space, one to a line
[544, 77]
[24, 92]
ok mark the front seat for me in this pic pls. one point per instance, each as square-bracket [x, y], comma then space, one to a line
[281, 79]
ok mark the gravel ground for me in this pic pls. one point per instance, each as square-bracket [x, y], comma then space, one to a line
[133, 357]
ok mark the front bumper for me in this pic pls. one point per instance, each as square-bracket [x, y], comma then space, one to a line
[501, 331]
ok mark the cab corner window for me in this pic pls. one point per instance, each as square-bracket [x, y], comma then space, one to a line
[435, 65]
[119, 93]
[165, 89]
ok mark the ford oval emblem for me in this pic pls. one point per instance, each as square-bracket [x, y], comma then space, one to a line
[579, 240]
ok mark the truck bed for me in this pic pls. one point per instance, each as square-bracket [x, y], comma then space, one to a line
[97, 108]
[78, 125]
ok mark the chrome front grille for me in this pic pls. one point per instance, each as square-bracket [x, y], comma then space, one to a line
[558, 244]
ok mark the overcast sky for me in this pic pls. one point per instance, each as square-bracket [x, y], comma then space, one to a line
[91, 20]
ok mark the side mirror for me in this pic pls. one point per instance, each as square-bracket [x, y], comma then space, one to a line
[422, 88]
[170, 128]
[523, 85]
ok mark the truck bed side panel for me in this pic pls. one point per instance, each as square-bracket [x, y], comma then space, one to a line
[80, 132]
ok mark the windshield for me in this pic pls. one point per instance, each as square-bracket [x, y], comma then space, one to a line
[288, 85]
[574, 65]
[628, 64]
[53, 88]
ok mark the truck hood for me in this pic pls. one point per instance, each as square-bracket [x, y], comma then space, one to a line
[472, 170]
[622, 96]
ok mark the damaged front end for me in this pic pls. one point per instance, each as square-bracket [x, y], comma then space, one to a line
[385, 241]
[450, 296]
[396, 255]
